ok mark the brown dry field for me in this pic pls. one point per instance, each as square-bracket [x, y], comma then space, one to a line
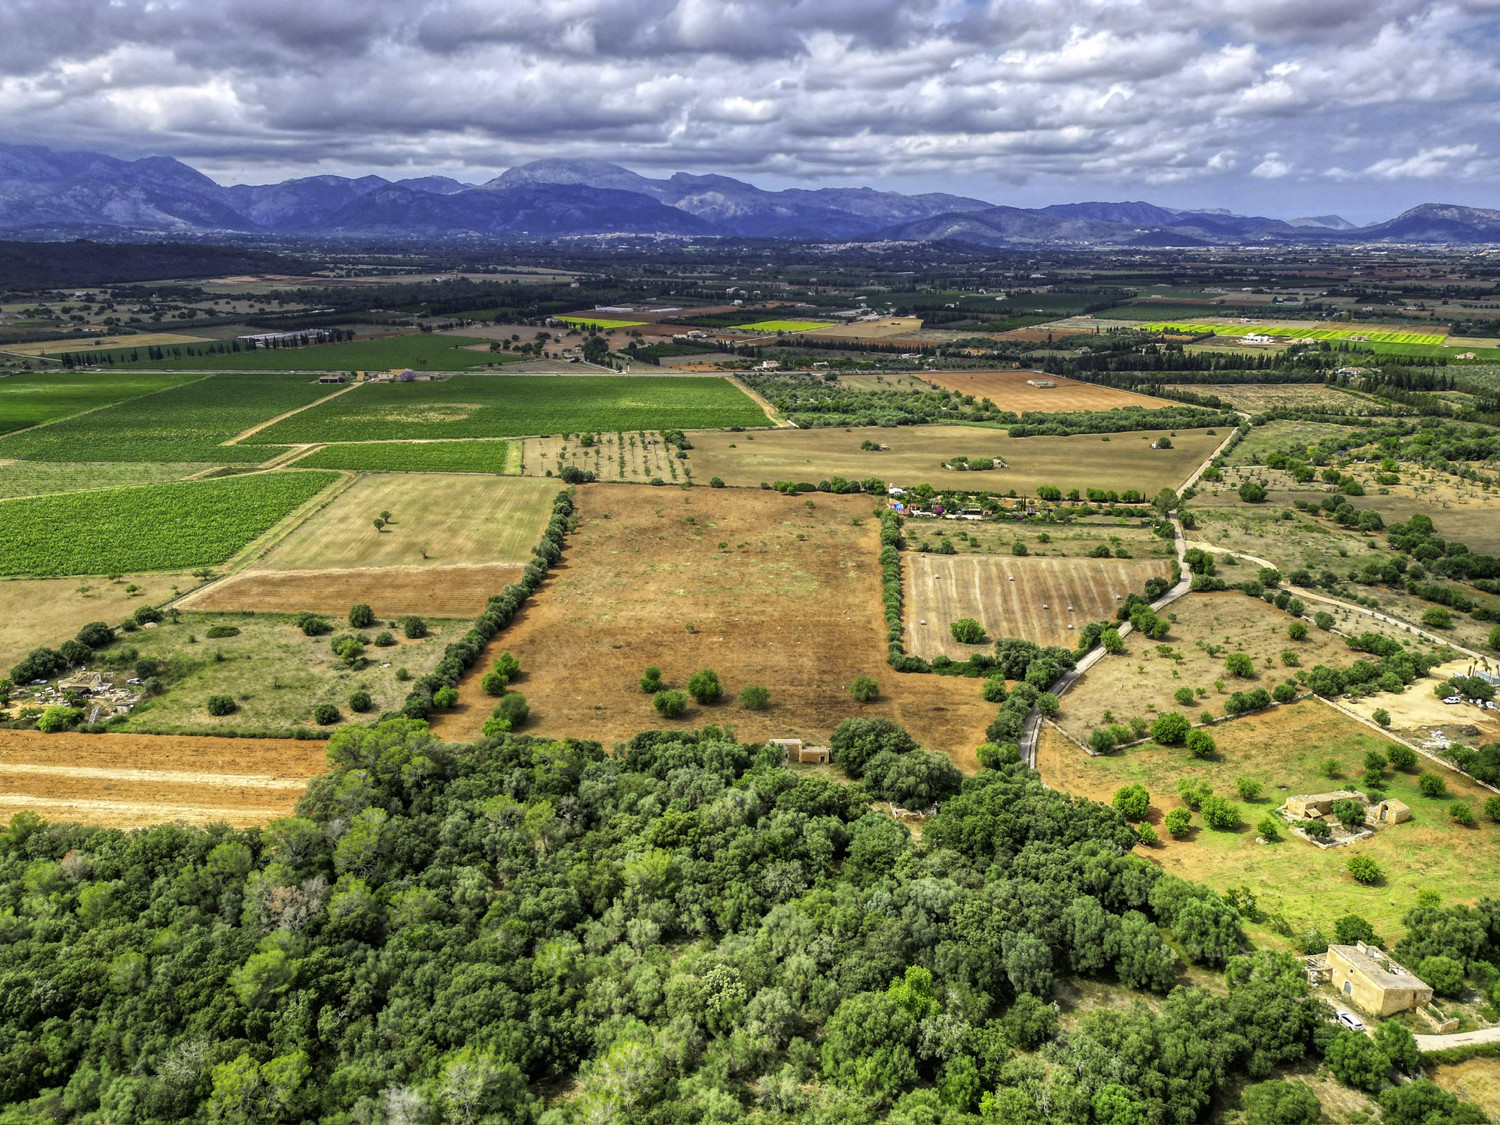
[916, 455]
[942, 588]
[871, 329]
[126, 781]
[1008, 390]
[1140, 681]
[48, 611]
[790, 601]
[1476, 1081]
[449, 591]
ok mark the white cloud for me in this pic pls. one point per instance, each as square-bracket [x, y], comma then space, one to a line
[1272, 167]
[1427, 164]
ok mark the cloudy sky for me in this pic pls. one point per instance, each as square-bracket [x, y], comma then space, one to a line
[1280, 107]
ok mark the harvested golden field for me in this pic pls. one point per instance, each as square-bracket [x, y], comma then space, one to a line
[883, 328]
[127, 781]
[759, 587]
[1284, 750]
[1207, 628]
[1044, 600]
[48, 611]
[142, 341]
[394, 591]
[1009, 390]
[437, 520]
[916, 455]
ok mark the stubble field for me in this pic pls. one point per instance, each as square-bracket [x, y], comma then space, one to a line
[759, 587]
[391, 591]
[1009, 390]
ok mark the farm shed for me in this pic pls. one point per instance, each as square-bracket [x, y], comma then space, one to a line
[1366, 976]
[1392, 811]
[1314, 806]
[797, 752]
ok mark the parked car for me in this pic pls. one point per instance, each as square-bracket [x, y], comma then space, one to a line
[1351, 1021]
[1453, 699]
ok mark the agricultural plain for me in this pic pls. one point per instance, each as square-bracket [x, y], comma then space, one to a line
[916, 454]
[46, 611]
[154, 527]
[1284, 749]
[435, 521]
[30, 398]
[639, 456]
[473, 456]
[762, 588]
[514, 405]
[42, 478]
[1043, 600]
[1010, 390]
[422, 351]
[390, 591]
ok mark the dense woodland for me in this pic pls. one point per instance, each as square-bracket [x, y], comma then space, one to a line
[527, 930]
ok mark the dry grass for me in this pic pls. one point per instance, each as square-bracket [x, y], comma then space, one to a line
[126, 781]
[438, 519]
[645, 456]
[1258, 397]
[1009, 390]
[1476, 1081]
[48, 611]
[916, 454]
[1284, 749]
[1142, 680]
[449, 591]
[1043, 600]
[757, 586]
[100, 343]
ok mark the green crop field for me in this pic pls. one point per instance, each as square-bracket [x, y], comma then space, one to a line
[423, 351]
[40, 478]
[157, 527]
[785, 326]
[473, 456]
[32, 397]
[1299, 333]
[596, 322]
[186, 423]
[519, 405]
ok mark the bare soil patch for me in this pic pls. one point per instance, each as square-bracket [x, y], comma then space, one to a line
[1009, 390]
[1043, 600]
[48, 611]
[126, 781]
[446, 591]
[759, 587]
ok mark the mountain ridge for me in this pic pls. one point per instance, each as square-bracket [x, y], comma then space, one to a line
[48, 192]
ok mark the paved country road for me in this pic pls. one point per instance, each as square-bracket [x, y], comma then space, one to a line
[1458, 1039]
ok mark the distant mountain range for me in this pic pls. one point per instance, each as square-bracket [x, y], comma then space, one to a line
[46, 194]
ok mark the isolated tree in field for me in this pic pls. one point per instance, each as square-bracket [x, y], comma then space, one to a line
[1132, 801]
[704, 687]
[1381, 716]
[1431, 784]
[1239, 664]
[1297, 630]
[1171, 729]
[753, 697]
[360, 701]
[326, 714]
[1364, 869]
[220, 705]
[1252, 492]
[1323, 620]
[1269, 827]
[386, 516]
[1248, 788]
[379, 523]
[650, 681]
[864, 689]
[670, 704]
[361, 616]
[493, 683]
[414, 627]
[967, 631]
[1219, 813]
[1201, 744]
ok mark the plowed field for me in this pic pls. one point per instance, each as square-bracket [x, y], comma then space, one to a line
[1009, 390]
[448, 591]
[1015, 597]
[126, 781]
[759, 587]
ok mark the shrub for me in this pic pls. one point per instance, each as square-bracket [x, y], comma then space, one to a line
[445, 697]
[1356, 1061]
[1269, 827]
[1219, 813]
[670, 704]
[385, 640]
[715, 482]
[1248, 788]
[1101, 740]
[967, 631]
[993, 689]
[992, 756]
[864, 689]
[326, 714]
[1381, 716]
[1193, 793]
[1351, 814]
[753, 697]
[1492, 808]
[493, 683]
[1113, 643]
[146, 615]
[507, 665]
[1048, 704]
[1178, 822]
[1461, 814]
[705, 687]
[218, 632]
[1252, 492]
[96, 634]
[1431, 784]
[1146, 835]
[1403, 758]
[650, 681]
[1201, 744]
[360, 701]
[312, 625]
[1323, 620]
[414, 627]
[1285, 692]
[1279, 1102]
[1444, 974]
[1317, 829]
[1132, 801]
[513, 708]
[220, 705]
[1297, 630]
[1171, 729]
[58, 718]
[361, 616]
[1364, 870]
[75, 652]
[1240, 664]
